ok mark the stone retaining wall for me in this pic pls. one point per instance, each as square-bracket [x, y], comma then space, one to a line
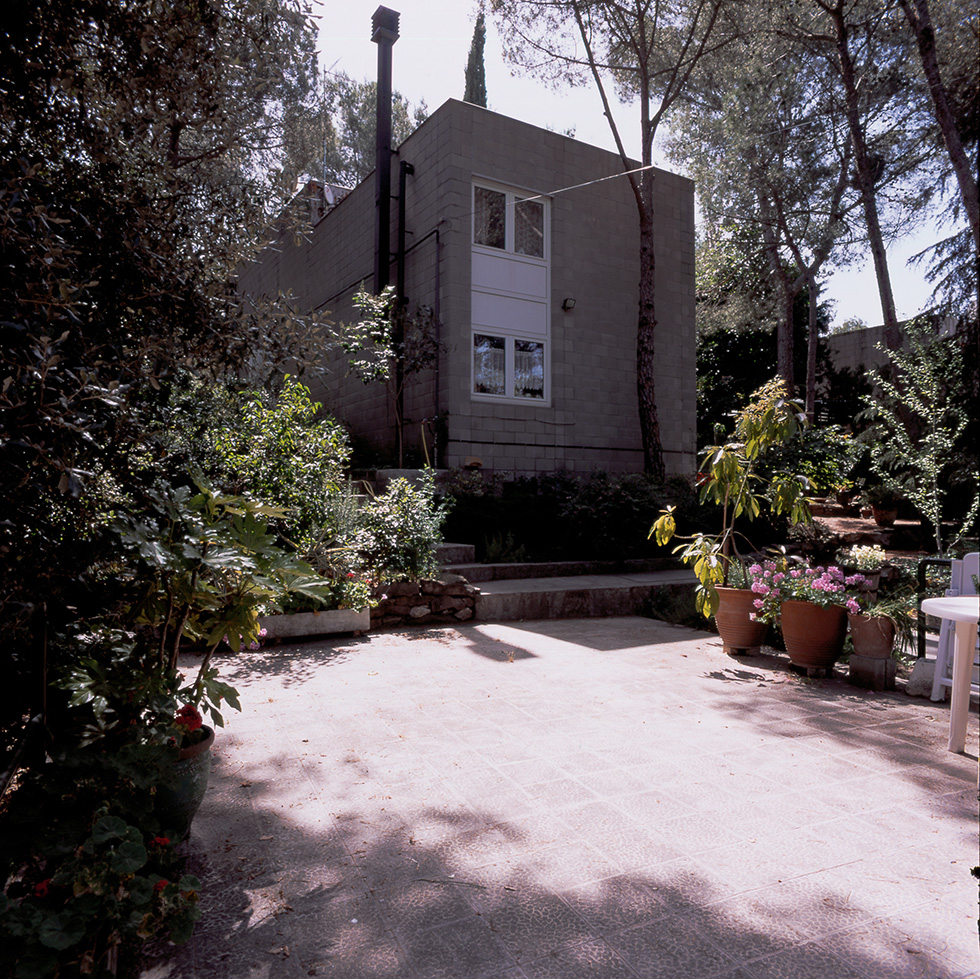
[447, 599]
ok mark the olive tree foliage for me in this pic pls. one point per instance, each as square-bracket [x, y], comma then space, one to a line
[641, 52]
[330, 135]
[138, 150]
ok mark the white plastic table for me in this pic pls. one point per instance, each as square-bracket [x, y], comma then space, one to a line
[964, 611]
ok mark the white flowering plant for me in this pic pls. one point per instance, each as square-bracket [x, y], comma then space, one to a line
[862, 557]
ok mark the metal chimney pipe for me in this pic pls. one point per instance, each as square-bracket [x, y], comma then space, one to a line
[384, 33]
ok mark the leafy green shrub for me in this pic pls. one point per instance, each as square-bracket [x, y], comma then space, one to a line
[608, 517]
[99, 869]
[921, 440]
[400, 530]
[826, 456]
[503, 549]
[278, 449]
[63, 914]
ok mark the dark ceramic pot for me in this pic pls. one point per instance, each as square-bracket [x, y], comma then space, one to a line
[872, 635]
[178, 800]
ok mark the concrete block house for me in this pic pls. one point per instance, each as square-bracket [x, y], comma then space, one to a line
[528, 262]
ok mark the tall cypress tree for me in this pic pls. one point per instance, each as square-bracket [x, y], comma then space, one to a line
[476, 78]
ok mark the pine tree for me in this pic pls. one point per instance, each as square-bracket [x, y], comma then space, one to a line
[476, 78]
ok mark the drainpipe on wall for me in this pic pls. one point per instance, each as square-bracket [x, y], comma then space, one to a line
[405, 169]
[384, 33]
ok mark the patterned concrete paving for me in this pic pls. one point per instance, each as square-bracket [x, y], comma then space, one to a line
[588, 798]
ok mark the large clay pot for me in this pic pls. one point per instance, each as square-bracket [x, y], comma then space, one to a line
[872, 635]
[178, 800]
[814, 635]
[740, 634]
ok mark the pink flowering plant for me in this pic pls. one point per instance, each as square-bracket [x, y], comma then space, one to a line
[773, 583]
[825, 587]
[767, 585]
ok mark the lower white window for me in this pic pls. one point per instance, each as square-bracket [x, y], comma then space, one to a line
[508, 367]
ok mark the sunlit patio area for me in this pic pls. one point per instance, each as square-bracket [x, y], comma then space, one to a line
[604, 799]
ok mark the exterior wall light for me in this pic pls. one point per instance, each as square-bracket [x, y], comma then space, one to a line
[568, 304]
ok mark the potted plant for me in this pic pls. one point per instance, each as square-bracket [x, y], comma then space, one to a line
[863, 559]
[883, 498]
[203, 564]
[178, 798]
[882, 625]
[811, 605]
[730, 478]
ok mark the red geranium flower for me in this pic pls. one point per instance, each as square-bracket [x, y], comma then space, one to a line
[160, 841]
[43, 889]
[160, 885]
[189, 718]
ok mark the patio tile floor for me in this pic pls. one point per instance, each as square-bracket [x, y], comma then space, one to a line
[611, 799]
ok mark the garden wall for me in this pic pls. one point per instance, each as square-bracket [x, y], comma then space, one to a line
[448, 599]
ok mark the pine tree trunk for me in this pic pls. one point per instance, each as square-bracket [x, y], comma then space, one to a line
[866, 182]
[812, 340]
[920, 21]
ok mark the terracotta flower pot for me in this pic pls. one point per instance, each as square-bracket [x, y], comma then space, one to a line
[872, 635]
[740, 634]
[884, 516]
[178, 800]
[814, 635]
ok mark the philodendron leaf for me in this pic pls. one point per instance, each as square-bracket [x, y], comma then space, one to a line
[664, 528]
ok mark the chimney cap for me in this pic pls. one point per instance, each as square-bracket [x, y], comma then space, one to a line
[384, 25]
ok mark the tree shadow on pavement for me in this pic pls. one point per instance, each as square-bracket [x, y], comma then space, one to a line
[451, 892]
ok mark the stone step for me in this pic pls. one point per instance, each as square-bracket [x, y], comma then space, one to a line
[449, 555]
[478, 573]
[575, 596]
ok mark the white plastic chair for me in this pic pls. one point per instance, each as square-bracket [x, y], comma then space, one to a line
[960, 583]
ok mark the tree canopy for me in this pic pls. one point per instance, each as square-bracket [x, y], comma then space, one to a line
[330, 135]
[138, 148]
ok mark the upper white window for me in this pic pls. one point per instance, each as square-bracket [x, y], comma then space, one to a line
[508, 221]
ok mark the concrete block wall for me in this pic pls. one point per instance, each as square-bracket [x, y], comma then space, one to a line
[857, 348]
[591, 421]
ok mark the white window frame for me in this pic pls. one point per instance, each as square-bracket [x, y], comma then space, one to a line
[503, 331]
[510, 372]
[511, 198]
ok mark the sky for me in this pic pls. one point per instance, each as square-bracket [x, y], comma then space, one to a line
[429, 59]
